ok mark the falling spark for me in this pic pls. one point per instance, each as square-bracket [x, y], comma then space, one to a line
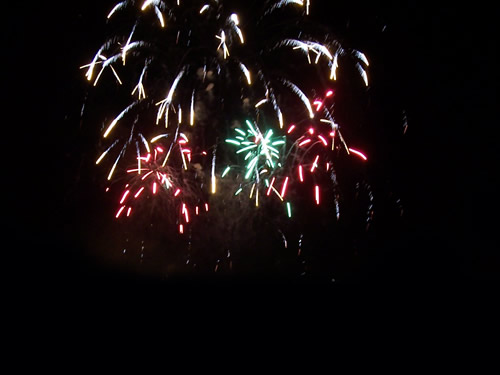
[124, 196]
[360, 154]
[214, 188]
[283, 189]
[119, 212]
[191, 120]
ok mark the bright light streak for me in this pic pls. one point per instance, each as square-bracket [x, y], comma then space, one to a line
[119, 212]
[318, 104]
[334, 66]
[251, 191]
[316, 189]
[323, 140]
[329, 93]
[165, 103]
[241, 132]
[360, 154]
[160, 16]
[146, 175]
[232, 141]
[110, 175]
[129, 211]
[206, 207]
[204, 8]
[225, 172]
[270, 186]
[146, 4]
[234, 18]
[154, 187]
[181, 229]
[177, 192]
[118, 118]
[191, 120]
[315, 164]
[246, 72]
[290, 129]
[283, 189]
[214, 181]
[260, 103]
[139, 192]
[288, 209]
[304, 142]
[102, 156]
[124, 196]
[301, 174]
[117, 7]
[154, 139]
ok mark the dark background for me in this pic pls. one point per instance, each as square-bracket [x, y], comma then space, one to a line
[434, 61]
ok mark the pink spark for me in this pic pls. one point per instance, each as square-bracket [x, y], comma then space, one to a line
[154, 187]
[159, 149]
[311, 131]
[316, 188]
[197, 210]
[315, 164]
[283, 189]
[290, 129]
[270, 186]
[119, 211]
[146, 175]
[181, 228]
[177, 192]
[301, 175]
[323, 140]
[124, 196]
[139, 192]
[329, 93]
[318, 104]
[206, 207]
[185, 212]
[128, 211]
[360, 154]
[304, 142]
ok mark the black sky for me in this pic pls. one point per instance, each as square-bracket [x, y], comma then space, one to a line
[435, 63]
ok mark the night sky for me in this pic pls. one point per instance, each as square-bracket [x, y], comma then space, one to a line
[430, 62]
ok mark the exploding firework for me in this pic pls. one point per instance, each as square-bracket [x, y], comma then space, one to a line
[169, 178]
[179, 58]
[186, 73]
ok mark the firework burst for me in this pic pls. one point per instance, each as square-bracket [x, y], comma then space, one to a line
[186, 70]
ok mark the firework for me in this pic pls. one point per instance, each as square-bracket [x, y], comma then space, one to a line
[187, 69]
[261, 154]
